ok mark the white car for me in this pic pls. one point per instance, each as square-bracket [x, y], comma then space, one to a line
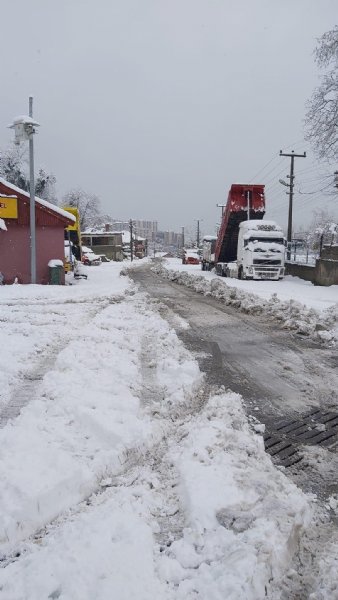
[89, 257]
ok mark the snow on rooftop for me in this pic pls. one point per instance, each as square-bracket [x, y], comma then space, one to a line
[258, 225]
[48, 205]
[24, 120]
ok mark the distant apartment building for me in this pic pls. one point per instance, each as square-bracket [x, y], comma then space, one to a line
[146, 229]
[116, 225]
[169, 239]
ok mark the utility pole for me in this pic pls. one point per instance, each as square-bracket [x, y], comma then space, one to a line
[248, 204]
[183, 236]
[32, 199]
[131, 240]
[222, 206]
[198, 233]
[291, 186]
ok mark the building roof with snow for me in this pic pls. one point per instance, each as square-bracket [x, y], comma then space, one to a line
[8, 188]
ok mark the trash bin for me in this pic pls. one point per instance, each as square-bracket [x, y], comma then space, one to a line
[56, 272]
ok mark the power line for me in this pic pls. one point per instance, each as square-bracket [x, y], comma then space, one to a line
[261, 170]
[293, 144]
[316, 191]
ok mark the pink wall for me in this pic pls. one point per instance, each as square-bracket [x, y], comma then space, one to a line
[15, 251]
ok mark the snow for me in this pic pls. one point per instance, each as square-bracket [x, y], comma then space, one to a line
[48, 205]
[209, 238]
[24, 119]
[298, 304]
[3, 225]
[261, 246]
[126, 237]
[116, 483]
[262, 226]
[55, 262]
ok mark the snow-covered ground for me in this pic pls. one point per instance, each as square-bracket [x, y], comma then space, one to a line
[123, 476]
[298, 304]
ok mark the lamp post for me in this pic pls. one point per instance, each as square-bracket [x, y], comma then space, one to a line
[24, 129]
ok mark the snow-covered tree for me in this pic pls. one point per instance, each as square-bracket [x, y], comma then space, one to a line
[323, 225]
[322, 109]
[13, 167]
[45, 186]
[87, 204]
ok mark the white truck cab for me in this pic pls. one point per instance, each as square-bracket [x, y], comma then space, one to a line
[260, 250]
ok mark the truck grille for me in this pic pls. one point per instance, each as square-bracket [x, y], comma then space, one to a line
[263, 261]
[268, 272]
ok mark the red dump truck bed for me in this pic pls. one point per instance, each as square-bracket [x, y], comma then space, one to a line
[241, 199]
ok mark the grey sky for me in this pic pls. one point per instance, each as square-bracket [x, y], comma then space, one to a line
[158, 106]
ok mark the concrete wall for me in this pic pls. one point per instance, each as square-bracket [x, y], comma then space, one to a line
[306, 272]
[324, 273]
[330, 252]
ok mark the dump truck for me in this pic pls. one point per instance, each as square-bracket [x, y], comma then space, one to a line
[246, 246]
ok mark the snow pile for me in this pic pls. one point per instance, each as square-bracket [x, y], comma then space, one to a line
[241, 520]
[326, 582]
[87, 411]
[104, 551]
[293, 315]
[243, 517]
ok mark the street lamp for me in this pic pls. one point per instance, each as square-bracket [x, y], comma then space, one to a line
[284, 182]
[24, 129]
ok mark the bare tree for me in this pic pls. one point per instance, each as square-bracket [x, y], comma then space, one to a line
[87, 204]
[321, 120]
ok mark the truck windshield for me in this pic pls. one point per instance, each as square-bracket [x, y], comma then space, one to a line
[266, 240]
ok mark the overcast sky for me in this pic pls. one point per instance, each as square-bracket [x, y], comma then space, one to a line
[158, 106]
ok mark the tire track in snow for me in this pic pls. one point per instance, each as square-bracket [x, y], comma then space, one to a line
[28, 388]
[140, 465]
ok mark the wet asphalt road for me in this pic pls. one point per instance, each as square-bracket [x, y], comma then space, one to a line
[277, 371]
[280, 375]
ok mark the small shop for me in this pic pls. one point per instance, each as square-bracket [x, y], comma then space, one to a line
[50, 224]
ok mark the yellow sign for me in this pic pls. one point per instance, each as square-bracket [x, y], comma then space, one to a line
[8, 207]
[75, 212]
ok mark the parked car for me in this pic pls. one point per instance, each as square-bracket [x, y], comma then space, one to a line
[89, 257]
[191, 257]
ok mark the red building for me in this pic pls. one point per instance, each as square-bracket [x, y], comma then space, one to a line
[15, 235]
